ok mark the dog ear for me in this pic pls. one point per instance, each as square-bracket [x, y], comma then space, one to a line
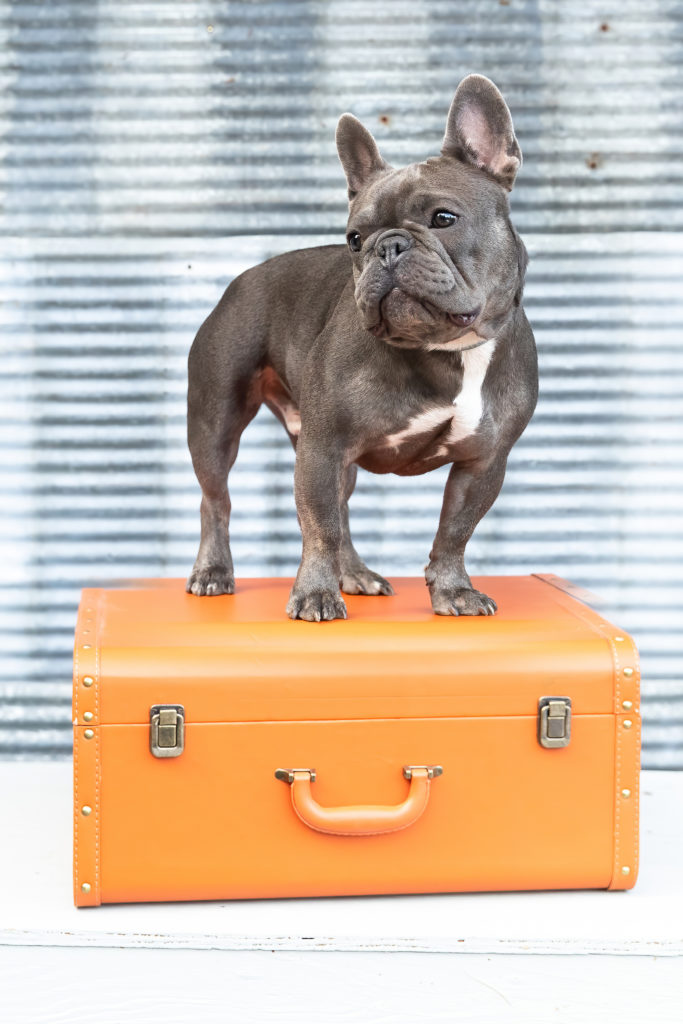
[358, 152]
[479, 130]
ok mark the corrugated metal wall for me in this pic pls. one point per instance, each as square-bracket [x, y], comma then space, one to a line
[151, 151]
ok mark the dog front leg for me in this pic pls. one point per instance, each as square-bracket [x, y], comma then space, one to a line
[470, 492]
[318, 476]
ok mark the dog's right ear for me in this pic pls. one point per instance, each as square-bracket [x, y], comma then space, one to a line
[358, 152]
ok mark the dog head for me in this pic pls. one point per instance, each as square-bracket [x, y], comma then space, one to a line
[436, 260]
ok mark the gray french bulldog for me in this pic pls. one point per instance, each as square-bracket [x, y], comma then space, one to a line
[401, 351]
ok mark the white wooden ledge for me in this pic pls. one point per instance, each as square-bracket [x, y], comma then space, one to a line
[36, 901]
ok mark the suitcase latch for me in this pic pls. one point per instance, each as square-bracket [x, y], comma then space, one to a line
[554, 721]
[166, 729]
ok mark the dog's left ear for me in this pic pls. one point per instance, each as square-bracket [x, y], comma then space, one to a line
[479, 130]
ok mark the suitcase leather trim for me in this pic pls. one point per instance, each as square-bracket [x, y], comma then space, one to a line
[86, 756]
[627, 738]
[87, 742]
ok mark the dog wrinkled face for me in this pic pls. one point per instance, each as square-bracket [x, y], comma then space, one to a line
[436, 261]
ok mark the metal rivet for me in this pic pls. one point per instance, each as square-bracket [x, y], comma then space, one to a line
[628, 672]
[86, 810]
[627, 723]
[85, 887]
[88, 734]
[86, 647]
[626, 870]
[87, 716]
[627, 705]
[619, 639]
[626, 793]
[88, 680]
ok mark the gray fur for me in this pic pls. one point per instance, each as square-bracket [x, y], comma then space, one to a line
[343, 347]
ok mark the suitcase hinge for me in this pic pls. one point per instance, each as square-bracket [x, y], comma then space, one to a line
[167, 729]
[554, 721]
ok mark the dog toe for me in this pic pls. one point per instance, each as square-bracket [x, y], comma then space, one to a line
[364, 581]
[211, 581]
[316, 606]
[462, 601]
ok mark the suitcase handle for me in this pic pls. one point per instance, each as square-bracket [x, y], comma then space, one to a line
[359, 819]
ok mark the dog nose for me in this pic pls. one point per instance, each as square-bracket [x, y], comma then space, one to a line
[390, 246]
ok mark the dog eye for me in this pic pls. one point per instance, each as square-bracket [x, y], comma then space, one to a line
[354, 241]
[444, 219]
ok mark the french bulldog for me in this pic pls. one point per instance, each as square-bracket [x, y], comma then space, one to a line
[403, 350]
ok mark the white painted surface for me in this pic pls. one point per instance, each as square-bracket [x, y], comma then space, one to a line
[159, 986]
[36, 897]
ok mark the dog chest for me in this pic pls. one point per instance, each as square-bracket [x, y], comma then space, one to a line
[430, 436]
[454, 422]
[223, 751]
[429, 433]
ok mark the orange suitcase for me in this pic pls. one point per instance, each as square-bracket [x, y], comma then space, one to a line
[224, 751]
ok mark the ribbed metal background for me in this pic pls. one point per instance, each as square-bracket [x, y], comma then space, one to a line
[151, 151]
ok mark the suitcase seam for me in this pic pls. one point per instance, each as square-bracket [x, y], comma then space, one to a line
[76, 753]
[636, 805]
[80, 843]
[633, 850]
[617, 794]
[586, 614]
[96, 780]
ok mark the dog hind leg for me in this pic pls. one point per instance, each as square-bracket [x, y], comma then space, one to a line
[223, 397]
[355, 577]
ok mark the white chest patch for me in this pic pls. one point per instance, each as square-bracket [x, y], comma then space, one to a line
[465, 412]
[468, 403]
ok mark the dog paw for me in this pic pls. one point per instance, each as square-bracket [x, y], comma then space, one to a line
[361, 580]
[210, 581]
[316, 605]
[462, 601]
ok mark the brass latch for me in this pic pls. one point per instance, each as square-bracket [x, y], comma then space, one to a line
[554, 721]
[166, 729]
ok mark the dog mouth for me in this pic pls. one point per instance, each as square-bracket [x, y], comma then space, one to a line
[382, 328]
[463, 319]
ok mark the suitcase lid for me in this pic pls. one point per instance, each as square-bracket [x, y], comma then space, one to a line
[239, 658]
